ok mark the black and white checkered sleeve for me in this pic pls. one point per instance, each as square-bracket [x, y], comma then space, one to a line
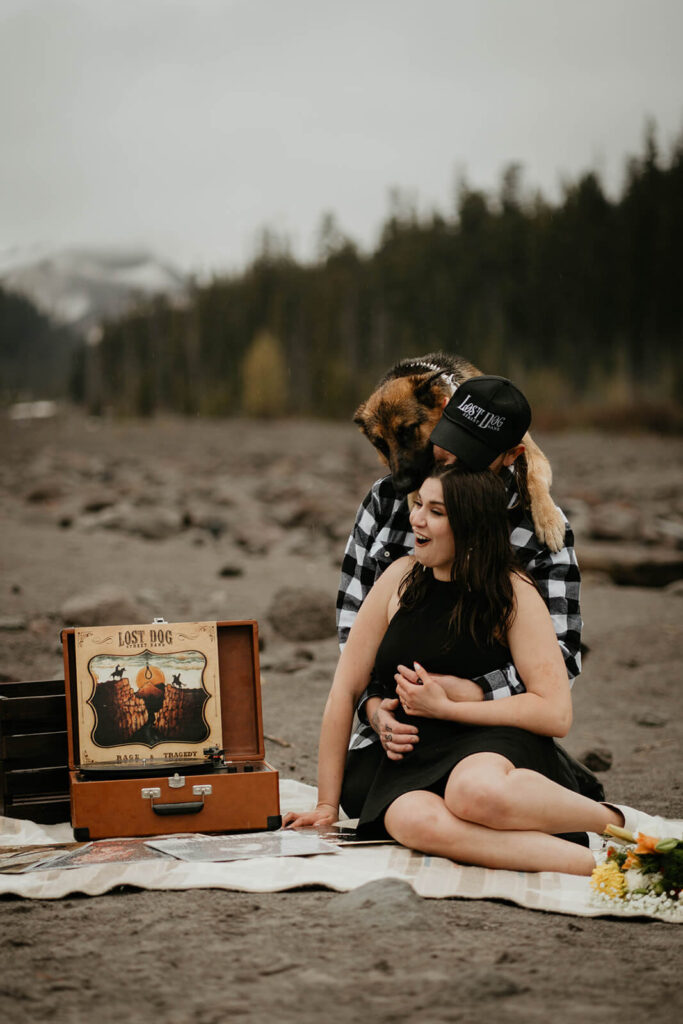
[357, 577]
[503, 682]
[558, 579]
[359, 568]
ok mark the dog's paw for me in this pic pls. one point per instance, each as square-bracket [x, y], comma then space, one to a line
[549, 525]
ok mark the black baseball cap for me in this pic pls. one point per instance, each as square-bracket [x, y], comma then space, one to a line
[485, 417]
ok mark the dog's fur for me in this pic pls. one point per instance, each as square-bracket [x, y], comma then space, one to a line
[404, 408]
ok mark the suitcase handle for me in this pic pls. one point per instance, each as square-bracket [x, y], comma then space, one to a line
[152, 793]
[194, 807]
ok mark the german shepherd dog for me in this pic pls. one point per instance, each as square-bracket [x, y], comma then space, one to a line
[404, 408]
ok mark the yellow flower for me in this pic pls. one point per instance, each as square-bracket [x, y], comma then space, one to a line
[608, 879]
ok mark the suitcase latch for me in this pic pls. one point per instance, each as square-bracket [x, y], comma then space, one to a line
[176, 781]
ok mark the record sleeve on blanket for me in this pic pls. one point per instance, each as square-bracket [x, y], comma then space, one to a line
[165, 731]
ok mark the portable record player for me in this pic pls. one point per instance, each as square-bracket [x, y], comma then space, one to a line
[165, 730]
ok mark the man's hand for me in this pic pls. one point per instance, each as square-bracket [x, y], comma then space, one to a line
[397, 738]
[427, 698]
[455, 687]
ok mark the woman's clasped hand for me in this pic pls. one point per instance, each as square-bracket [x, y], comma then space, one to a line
[426, 698]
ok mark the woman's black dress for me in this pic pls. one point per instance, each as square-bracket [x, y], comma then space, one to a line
[422, 634]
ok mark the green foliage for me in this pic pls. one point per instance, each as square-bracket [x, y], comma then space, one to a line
[580, 301]
[35, 354]
[670, 865]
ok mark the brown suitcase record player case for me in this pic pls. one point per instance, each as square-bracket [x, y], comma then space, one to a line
[220, 788]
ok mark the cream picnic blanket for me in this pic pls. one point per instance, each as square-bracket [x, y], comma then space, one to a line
[432, 877]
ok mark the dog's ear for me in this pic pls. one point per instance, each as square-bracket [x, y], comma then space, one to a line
[428, 393]
[359, 416]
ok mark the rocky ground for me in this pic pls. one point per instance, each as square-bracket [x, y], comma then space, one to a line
[119, 522]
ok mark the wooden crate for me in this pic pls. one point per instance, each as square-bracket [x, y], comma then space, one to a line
[34, 776]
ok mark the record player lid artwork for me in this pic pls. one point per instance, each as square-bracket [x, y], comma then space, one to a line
[147, 692]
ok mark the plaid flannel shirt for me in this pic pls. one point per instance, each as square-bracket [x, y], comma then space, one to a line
[382, 533]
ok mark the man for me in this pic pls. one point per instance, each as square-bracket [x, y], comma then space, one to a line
[483, 431]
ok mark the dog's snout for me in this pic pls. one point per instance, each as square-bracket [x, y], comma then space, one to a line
[403, 485]
[409, 474]
[407, 481]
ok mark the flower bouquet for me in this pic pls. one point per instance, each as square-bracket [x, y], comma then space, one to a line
[642, 872]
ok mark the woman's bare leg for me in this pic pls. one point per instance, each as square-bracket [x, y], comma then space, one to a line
[422, 821]
[487, 789]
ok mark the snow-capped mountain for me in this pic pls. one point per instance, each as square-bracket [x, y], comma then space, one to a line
[81, 287]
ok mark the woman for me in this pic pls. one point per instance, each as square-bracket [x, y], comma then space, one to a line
[480, 785]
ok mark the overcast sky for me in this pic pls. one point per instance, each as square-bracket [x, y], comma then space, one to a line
[188, 125]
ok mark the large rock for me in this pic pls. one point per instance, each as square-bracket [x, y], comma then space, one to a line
[45, 491]
[11, 624]
[631, 565]
[204, 517]
[258, 537]
[668, 531]
[103, 606]
[319, 514]
[301, 613]
[152, 523]
[615, 521]
[597, 759]
[380, 902]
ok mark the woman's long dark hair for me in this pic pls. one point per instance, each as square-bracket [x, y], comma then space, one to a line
[476, 506]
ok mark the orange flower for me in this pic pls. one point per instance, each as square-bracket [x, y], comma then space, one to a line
[631, 861]
[646, 844]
